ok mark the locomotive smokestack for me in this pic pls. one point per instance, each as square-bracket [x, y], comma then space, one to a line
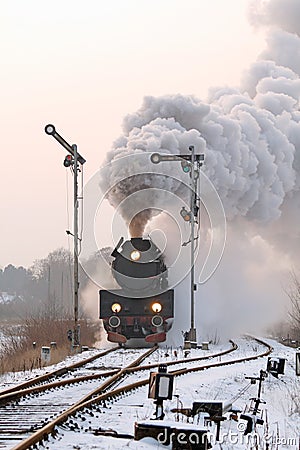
[138, 223]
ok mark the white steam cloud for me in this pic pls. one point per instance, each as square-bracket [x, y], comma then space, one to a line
[250, 137]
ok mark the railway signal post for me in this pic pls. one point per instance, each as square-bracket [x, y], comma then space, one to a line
[160, 389]
[72, 160]
[192, 332]
[298, 363]
[188, 166]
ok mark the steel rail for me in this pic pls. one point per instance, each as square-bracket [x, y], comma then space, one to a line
[184, 371]
[4, 398]
[185, 360]
[55, 373]
[90, 400]
[31, 440]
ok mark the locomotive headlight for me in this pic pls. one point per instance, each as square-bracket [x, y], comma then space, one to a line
[135, 255]
[116, 307]
[156, 307]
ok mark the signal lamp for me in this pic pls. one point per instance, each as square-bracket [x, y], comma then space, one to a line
[116, 308]
[186, 215]
[186, 166]
[50, 129]
[156, 307]
[68, 161]
[155, 158]
[135, 255]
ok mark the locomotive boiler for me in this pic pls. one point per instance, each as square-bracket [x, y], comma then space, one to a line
[143, 307]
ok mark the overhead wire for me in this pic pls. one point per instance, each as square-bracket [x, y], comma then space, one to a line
[240, 393]
[68, 227]
[68, 218]
[198, 199]
[197, 237]
[81, 210]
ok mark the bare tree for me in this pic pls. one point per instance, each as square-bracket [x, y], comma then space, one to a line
[54, 275]
[294, 311]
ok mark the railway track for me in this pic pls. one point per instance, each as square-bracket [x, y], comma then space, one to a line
[58, 373]
[23, 409]
[36, 386]
[106, 392]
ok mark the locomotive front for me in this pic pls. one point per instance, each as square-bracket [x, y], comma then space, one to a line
[143, 306]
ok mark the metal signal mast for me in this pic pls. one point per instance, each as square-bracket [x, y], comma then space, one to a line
[73, 159]
[188, 166]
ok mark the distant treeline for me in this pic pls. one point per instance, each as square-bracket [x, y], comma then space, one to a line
[47, 284]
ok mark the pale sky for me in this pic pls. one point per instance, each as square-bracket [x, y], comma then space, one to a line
[83, 66]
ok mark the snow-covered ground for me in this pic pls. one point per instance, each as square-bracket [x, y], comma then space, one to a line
[281, 412]
[12, 378]
[5, 297]
[114, 360]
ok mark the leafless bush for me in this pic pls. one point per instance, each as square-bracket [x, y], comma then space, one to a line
[294, 311]
[293, 400]
[214, 338]
[19, 353]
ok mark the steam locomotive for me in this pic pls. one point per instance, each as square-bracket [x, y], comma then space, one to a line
[142, 309]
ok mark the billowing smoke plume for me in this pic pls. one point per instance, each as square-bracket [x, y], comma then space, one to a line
[277, 14]
[250, 137]
[139, 221]
[160, 134]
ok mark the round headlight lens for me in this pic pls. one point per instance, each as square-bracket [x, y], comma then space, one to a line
[116, 307]
[114, 321]
[157, 321]
[156, 307]
[135, 255]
